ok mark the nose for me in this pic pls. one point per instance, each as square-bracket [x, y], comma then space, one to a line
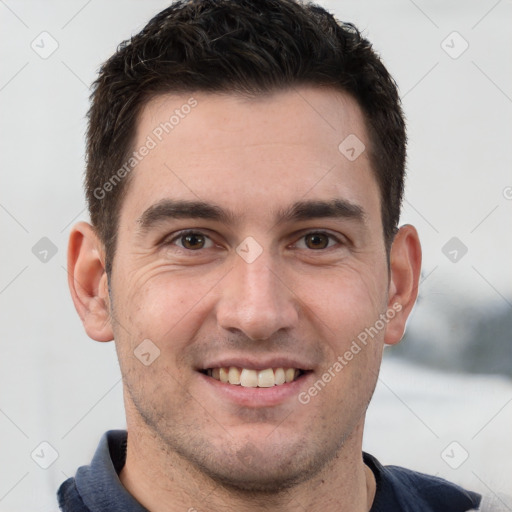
[256, 300]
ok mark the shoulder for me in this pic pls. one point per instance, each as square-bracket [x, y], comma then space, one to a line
[96, 486]
[406, 490]
[69, 497]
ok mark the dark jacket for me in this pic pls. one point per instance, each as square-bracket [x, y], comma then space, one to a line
[97, 488]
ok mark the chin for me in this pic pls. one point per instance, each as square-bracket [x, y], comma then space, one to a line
[269, 471]
[263, 480]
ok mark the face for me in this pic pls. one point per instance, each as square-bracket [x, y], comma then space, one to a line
[248, 240]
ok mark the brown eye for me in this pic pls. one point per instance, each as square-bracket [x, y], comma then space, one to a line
[193, 241]
[316, 241]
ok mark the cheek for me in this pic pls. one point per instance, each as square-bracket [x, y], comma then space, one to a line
[161, 305]
[342, 310]
[345, 301]
[168, 311]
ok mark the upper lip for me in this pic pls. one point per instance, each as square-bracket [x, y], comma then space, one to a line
[260, 363]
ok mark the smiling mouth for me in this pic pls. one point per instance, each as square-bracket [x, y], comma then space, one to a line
[250, 378]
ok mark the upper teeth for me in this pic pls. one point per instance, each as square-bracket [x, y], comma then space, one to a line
[254, 378]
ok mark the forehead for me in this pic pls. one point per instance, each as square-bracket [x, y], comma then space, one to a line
[252, 153]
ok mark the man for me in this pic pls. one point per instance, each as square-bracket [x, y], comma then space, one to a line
[244, 178]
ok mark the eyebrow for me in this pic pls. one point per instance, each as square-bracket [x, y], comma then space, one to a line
[302, 210]
[335, 208]
[171, 209]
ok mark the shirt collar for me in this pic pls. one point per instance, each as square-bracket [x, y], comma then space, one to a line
[99, 485]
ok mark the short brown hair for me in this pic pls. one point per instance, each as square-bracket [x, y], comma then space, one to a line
[248, 47]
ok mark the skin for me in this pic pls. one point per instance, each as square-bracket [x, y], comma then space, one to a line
[189, 446]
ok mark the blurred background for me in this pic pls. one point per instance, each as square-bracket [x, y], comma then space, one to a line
[443, 404]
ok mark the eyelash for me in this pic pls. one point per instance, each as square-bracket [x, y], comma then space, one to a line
[330, 236]
[184, 233]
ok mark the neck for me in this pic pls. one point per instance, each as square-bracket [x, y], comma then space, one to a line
[163, 481]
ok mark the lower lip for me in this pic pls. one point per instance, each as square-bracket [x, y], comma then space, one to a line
[257, 397]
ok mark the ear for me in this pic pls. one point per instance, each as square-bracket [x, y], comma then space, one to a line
[88, 283]
[405, 268]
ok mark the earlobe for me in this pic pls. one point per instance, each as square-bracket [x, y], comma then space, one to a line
[405, 268]
[87, 281]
